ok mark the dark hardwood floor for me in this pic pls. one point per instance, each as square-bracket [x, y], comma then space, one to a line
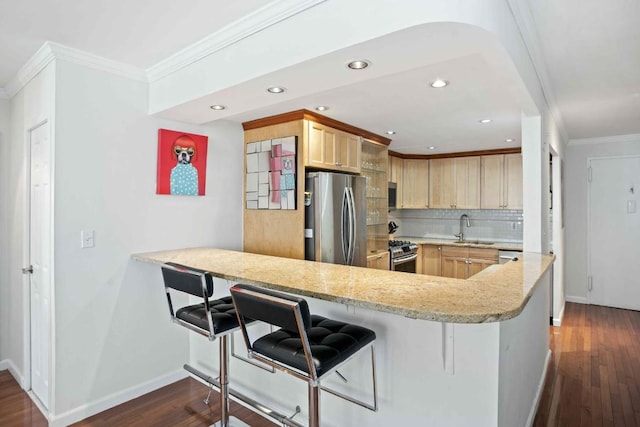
[593, 380]
[16, 408]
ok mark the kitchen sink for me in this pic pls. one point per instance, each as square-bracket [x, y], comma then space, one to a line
[474, 242]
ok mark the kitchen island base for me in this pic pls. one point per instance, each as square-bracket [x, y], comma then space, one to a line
[429, 373]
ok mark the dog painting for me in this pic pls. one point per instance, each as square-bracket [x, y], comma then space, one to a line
[182, 161]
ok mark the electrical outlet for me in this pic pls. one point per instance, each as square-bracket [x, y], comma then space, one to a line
[514, 226]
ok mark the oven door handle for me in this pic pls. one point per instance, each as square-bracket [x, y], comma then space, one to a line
[400, 260]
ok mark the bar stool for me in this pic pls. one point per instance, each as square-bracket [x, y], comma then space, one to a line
[211, 318]
[309, 347]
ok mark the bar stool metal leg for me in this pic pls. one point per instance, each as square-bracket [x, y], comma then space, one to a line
[225, 419]
[314, 404]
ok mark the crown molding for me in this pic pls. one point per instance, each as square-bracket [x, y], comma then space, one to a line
[526, 25]
[244, 27]
[50, 51]
[3, 94]
[632, 137]
[30, 69]
[96, 62]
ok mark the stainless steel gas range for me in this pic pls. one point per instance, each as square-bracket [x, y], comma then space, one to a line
[403, 256]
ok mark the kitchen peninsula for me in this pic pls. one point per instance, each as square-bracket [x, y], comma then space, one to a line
[449, 351]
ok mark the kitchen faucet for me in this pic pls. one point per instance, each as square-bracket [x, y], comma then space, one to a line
[460, 235]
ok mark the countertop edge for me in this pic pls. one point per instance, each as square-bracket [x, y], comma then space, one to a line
[431, 315]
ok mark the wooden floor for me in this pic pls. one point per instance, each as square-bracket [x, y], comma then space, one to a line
[593, 380]
[594, 375]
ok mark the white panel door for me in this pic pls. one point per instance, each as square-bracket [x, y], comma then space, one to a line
[614, 232]
[40, 259]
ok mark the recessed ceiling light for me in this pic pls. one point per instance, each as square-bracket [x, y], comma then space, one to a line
[391, 132]
[485, 121]
[276, 89]
[508, 140]
[322, 108]
[218, 107]
[359, 64]
[432, 148]
[439, 83]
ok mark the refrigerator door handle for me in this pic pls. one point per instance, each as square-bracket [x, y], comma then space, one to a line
[352, 226]
[344, 224]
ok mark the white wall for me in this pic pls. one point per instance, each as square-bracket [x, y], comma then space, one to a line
[32, 105]
[112, 329]
[521, 387]
[576, 187]
[112, 333]
[4, 241]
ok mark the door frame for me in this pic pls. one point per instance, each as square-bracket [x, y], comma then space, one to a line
[589, 263]
[26, 279]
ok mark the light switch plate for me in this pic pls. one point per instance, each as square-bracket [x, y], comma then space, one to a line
[87, 239]
[631, 206]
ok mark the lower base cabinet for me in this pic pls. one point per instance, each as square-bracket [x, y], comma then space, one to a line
[379, 261]
[429, 260]
[464, 262]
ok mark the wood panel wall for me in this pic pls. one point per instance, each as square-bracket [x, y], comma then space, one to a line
[277, 232]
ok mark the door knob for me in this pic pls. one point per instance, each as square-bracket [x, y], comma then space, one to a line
[28, 270]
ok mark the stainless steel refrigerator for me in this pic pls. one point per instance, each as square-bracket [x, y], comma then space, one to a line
[335, 218]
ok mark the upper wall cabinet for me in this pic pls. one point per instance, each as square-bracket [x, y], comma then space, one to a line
[501, 181]
[333, 149]
[396, 171]
[454, 183]
[415, 184]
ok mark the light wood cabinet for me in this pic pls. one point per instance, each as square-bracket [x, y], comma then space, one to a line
[430, 262]
[454, 183]
[464, 262]
[333, 149]
[396, 172]
[379, 261]
[415, 184]
[501, 182]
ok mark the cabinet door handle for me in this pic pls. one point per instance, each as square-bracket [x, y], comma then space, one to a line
[338, 164]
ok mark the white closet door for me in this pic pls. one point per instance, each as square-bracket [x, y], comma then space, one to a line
[614, 232]
[40, 259]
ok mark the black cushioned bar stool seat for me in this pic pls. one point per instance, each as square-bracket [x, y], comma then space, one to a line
[331, 342]
[307, 346]
[213, 318]
[223, 315]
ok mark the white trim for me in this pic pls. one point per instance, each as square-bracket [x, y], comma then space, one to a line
[50, 51]
[244, 27]
[8, 364]
[557, 321]
[115, 399]
[536, 401]
[632, 137]
[97, 62]
[3, 93]
[577, 300]
[30, 69]
[527, 28]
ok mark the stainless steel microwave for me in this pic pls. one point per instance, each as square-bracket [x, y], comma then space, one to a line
[393, 195]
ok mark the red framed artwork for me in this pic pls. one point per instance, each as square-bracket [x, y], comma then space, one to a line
[182, 163]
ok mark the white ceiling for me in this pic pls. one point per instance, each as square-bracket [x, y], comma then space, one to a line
[591, 49]
[592, 53]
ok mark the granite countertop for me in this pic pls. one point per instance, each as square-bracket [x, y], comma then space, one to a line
[504, 246]
[499, 295]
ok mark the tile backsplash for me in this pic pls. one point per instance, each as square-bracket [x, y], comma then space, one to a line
[501, 225]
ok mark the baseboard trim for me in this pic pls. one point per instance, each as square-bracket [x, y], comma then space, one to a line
[115, 399]
[536, 402]
[557, 321]
[7, 364]
[577, 300]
